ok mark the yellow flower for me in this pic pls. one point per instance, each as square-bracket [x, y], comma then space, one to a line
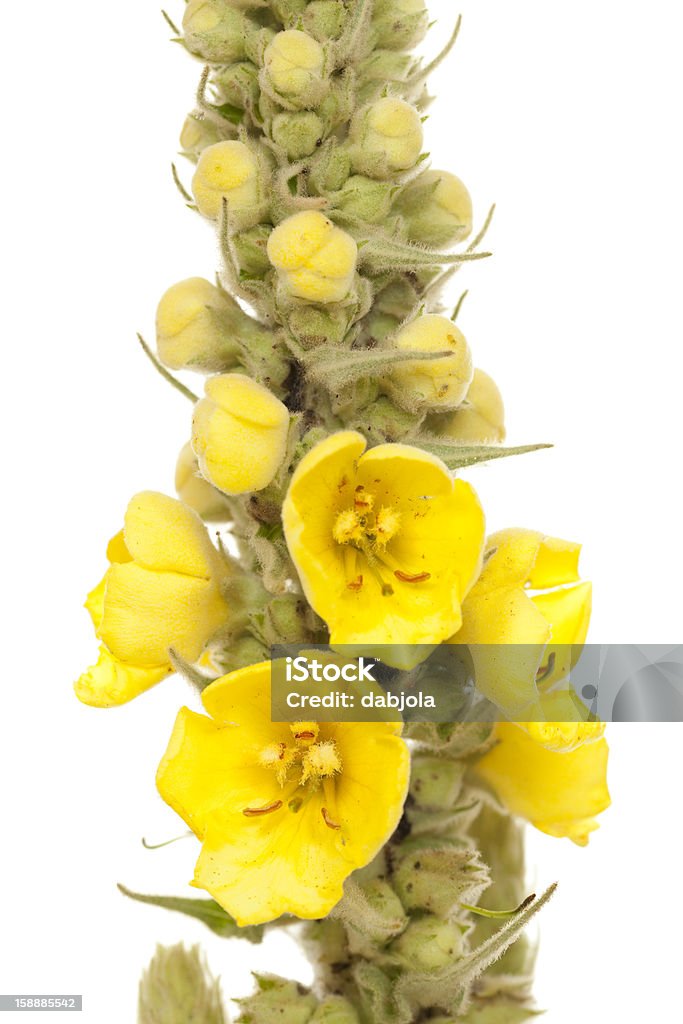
[559, 793]
[161, 591]
[387, 137]
[229, 170]
[284, 811]
[293, 67]
[386, 544]
[314, 259]
[518, 639]
[188, 325]
[239, 434]
[481, 417]
[440, 383]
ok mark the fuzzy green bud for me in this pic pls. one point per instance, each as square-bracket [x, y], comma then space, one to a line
[385, 421]
[176, 989]
[293, 69]
[297, 133]
[335, 1010]
[400, 24]
[436, 209]
[435, 781]
[195, 491]
[365, 199]
[215, 30]
[481, 417]
[251, 249]
[429, 943]
[288, 11]
[330, 168]
[197, 133]
[386, 137]
[277, 1001]
[193, 327]
[231, 171]
[380, 67]
[324, 19]
[238, 84]
[438, 383]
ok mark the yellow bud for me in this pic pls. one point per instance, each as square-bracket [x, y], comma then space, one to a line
[195, 491]
[481, 417]
[189, 332]
[437, 209]
[228, 170]
[387, 137]
[314, 259]
[439, 383]
[239, 434]
[216, 31]
[293, 67]
[196, 134]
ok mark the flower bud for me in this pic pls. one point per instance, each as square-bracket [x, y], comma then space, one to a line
[238, 84]
[288, 11]
[400, 24]
[330, 168]
[239, 434]
[197, 133]
[278, 1001]
[314, 259]
[324, 19]
[437, 209]
[250, 247]
[190, 334]
[293, 68]
[231, 171]
[481, 417]
[438, 383]
[195, 491]
[435, 782]
[365, 199]
[297, 133]
[387, 137]
[429, 943]
[335, 1010]
[380, 67]
[176, 988]
[215, 31]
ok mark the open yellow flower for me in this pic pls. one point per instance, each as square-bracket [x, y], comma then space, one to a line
[161, 591]
[284, 811]
[386, 544]
[559, 793]
[524, 617]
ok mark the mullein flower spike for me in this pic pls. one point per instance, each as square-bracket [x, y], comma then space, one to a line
[338, 401]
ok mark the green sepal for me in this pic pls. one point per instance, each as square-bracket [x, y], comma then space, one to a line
[207, 911]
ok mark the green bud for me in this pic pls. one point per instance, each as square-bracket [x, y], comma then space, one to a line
[238, 84]
[277, 1001]
[216, 31]
[288, 11]
[176, 988]
[285, 620]
[242, 651]
[365, 199]
[250, 247]
[324, 19]
[385, 421]
[380, 67]
[294, 68]
[335, 1010]
[197, 133]
[436, 209]
[429, 943]
[439, 878]
[299, 134]
[435, 782]
[330, 168]
[400, 24]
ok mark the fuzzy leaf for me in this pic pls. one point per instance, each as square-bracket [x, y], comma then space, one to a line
[459, 456]
[208, 912]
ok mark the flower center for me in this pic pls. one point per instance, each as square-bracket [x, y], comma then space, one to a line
[302, 767]
[365, 532]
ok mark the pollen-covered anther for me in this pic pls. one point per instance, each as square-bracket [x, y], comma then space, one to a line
[406, 577]
[356, 584]
[320, 761]
[328, 820]
[387, 525]
[305, 733]
[347, 528]
[257, 812]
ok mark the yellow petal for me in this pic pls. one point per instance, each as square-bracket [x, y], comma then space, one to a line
[146, 613]
[559, 793]
[163, 534]
[110, 682]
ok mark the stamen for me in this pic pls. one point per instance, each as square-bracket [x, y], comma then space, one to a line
[305, 732]
[328, 821]
[404, 577]
[356, 584]
[256, 812]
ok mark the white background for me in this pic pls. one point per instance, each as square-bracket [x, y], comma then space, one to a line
[568, 115]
